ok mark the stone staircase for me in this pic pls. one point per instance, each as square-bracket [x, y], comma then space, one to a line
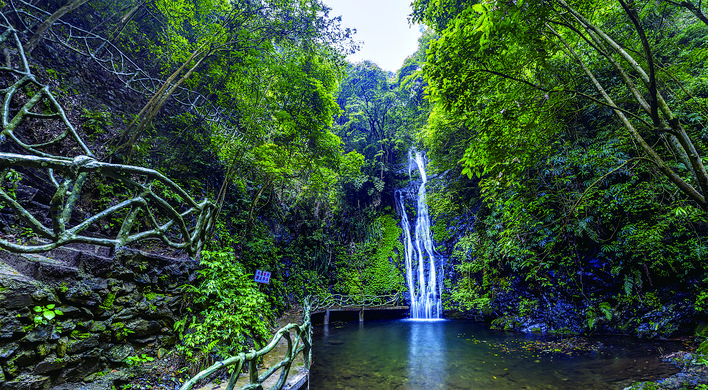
[114, 305]
[73, 262]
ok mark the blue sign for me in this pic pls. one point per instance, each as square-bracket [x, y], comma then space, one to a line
[262, 277]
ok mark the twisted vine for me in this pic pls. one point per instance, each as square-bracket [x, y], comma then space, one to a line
[172, 216]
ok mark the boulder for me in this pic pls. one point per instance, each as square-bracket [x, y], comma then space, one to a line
[81, 294]
[8, 349]
[143, 328]
[27, 382]
[76, 346]
[118, 353]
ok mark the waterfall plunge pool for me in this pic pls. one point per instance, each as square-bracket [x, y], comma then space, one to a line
[457, 354]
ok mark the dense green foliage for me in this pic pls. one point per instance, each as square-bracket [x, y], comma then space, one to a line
[235, 313]
[566, 144]
[584, 189]
[300, 159]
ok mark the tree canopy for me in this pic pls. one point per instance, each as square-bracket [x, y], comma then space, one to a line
[566, 142]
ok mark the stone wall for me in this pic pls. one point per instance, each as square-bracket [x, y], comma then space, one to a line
[113, 307]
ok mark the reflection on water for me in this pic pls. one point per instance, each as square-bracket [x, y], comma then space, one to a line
[426, 355]
[456, 355]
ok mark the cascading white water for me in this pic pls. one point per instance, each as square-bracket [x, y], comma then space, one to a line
[420, 260]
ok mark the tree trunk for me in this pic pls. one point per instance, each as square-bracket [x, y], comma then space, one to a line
[153, 106]
[72, 5]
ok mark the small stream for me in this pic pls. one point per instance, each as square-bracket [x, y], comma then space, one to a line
[450, 355]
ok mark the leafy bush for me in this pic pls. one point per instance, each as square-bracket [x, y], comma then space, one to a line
[44, 314]
[234, 316]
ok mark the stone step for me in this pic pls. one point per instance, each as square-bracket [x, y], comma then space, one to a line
[39, 267]
[9, 272]
[87, 258]
[98, 250]
[70, 253]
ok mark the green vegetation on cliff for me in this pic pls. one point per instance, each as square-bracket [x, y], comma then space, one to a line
[567, 143]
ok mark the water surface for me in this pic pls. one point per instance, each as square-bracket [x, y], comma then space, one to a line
[454, 355]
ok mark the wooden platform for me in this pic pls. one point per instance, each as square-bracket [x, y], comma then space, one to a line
[360, 310]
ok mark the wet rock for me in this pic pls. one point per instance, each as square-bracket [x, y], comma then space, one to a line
[142, 279]
[54, 363]
[122, 273]
[126, 300]
[45, 296]
[119, 353]
[114, 285]
[143, 327]
[27, 382]
[158, 311]
[82, 295]
[16, 299]
[173, 302]
[169, 340]
[23, 358]
[97, 327]
[76, 346]
[92, 354]
[146, 340]
[62, 346]
[87, 313]
[665, 321]
[97, 284]
[11, 328]
[86, 367]
[40, 334]
[66, 326]
[125, 315]
[535, 328]
[70, 311]
[8, 349]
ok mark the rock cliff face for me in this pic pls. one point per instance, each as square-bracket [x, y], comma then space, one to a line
[112, 307]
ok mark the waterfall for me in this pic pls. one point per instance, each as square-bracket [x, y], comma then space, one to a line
[420, 260]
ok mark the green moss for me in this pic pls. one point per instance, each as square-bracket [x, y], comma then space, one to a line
[108, 302]
[650, 299]
[527, 306]
[382, 275]
[120, 331]
[52, 73]
[148, 294]
[78, 335]
[96, 122]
